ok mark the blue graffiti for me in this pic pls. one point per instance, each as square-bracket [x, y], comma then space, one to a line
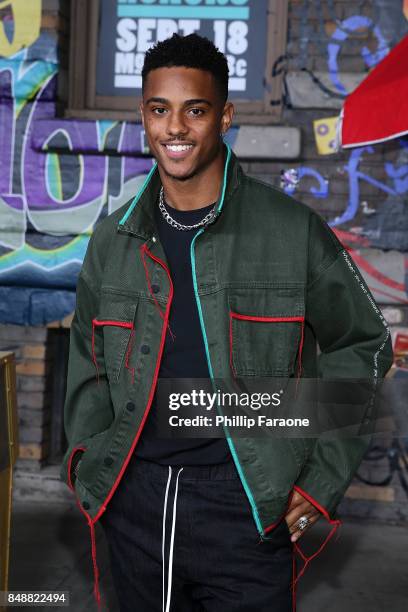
[353, 24]
[399, 176]
[322, 191]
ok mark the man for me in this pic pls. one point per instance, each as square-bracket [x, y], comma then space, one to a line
[207, 273]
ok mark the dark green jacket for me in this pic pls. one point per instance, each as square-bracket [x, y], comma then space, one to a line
[264, 257]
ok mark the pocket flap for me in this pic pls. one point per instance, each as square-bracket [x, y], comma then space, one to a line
[116, 309]
[266, 330]
[268, 303]
[116, 322]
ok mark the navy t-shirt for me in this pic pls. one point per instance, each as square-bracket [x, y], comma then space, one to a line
[184, 354]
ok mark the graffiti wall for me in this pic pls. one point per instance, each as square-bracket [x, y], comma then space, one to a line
[59, 177]
[361, 192]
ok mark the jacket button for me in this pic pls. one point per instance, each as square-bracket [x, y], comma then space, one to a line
[155, 288]
[85, 505]
[108, 461]
[130, 406]
[145, 348]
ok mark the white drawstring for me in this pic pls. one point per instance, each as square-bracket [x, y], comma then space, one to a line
[173, 526]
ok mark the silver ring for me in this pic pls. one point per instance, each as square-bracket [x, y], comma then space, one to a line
[303, 522]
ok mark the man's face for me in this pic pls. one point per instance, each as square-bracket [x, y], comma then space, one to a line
[183, 116]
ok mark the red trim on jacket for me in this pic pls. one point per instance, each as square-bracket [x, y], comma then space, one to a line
[243, 317]
[230, 346]
[152, 389]
[145, 250]
[335, 522]
[108, 323]
[91, 522]
[97, 593]
[96, 322]
[128, 352]
[295, 547]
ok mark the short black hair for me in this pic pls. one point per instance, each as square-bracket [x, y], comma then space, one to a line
[192, 51]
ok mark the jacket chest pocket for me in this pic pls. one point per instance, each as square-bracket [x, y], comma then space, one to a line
[265, 330]
[115, 327]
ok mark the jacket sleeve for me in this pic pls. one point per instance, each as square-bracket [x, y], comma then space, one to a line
[354, 341]
[87, 409]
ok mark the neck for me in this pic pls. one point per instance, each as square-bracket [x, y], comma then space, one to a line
[198, 191]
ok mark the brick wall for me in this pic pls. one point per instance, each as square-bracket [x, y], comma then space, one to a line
[33, 394]
[38, 351]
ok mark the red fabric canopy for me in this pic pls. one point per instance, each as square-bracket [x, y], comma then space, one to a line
[377, 110]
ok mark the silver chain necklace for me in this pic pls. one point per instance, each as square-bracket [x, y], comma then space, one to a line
[176, 224]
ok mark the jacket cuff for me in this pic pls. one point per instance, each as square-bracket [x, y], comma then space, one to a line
[312, 485]
[326, 504]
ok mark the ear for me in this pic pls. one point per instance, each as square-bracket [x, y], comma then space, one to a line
[227, 117]
[141, 108]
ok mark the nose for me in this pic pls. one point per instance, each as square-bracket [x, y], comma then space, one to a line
[176, 125]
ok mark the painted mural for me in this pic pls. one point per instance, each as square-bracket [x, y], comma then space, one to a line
[59, 177]
[375, 235]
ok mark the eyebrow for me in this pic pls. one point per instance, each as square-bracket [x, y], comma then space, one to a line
[186, 102]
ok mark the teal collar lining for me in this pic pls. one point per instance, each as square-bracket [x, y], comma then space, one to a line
[152, 172]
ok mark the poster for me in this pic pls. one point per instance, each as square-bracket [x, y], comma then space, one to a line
[128, 28]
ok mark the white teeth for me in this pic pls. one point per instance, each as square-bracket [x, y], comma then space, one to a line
[178, 148]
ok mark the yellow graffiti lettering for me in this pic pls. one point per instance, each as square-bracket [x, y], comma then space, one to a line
[27, 22]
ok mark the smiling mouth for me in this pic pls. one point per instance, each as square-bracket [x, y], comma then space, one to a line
[178, 148]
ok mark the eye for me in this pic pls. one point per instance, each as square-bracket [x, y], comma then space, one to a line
[196, 111]
[159, 110]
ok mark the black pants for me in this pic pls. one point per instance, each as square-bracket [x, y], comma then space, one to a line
[183, 539]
